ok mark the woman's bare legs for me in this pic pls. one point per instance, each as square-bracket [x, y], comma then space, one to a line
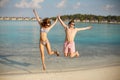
[42, 56]
[50, 52]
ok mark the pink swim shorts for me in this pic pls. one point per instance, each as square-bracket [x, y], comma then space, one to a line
[69, 47]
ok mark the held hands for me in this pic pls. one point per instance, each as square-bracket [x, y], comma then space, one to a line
[58, 16]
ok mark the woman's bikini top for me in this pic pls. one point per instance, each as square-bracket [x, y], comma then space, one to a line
[44, 30]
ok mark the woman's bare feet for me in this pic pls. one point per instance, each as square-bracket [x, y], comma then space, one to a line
[44, 67]
[57, 53]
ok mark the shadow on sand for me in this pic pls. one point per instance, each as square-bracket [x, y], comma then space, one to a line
[12, 63]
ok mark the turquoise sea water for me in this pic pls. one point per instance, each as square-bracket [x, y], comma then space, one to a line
[19, 47]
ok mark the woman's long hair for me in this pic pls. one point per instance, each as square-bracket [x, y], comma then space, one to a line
[46, 22]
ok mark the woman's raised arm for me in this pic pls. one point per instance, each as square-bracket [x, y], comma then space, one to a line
[54, 23]
[36, 15]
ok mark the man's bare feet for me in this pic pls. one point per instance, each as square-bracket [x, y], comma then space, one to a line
[77, 54]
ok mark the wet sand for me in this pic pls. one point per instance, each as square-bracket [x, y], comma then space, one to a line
[103, 73]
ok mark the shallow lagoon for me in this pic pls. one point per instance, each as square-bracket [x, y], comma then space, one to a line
[19, 47]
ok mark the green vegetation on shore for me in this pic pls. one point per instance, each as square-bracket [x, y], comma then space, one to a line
[91, 18]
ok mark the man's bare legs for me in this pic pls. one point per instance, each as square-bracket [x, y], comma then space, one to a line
[65, 54]
[75, 54]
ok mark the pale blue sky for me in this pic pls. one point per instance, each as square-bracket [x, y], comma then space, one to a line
[49, 8]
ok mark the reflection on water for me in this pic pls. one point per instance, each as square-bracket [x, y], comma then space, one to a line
[19, 45]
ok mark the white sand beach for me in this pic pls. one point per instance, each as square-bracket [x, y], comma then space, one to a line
[105, 73]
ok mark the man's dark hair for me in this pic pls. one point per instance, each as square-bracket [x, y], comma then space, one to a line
[71, 21]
